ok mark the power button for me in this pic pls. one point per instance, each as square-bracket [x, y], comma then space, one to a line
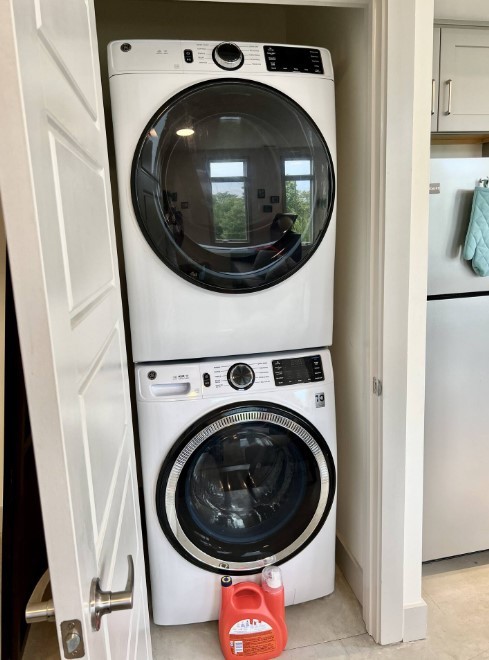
[188, 56]
[206, 379]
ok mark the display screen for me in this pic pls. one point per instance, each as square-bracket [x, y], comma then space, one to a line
[284, 58]
[297, 370]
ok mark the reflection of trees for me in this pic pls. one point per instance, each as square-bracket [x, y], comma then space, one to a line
[229, 217]
[298, 202]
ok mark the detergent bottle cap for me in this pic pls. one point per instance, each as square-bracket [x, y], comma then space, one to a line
[271, 577]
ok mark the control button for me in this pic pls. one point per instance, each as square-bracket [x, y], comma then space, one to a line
[207, 380]
[188, 55]
[241, 376]
[228, 56]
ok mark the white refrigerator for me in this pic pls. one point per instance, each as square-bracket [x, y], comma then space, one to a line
[456, 471]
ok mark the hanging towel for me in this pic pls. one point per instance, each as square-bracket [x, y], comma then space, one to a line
[477, 239]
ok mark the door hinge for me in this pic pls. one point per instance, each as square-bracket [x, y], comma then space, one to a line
[72, 636]
[377, 386]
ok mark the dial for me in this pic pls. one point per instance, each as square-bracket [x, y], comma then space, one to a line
[228, 56]
[241, 376]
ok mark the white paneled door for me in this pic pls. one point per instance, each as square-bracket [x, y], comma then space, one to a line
[55, 194]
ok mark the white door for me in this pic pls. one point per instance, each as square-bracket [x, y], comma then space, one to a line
[464, 63]
[55, 194]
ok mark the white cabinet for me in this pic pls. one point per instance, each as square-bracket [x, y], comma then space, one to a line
[461, 91]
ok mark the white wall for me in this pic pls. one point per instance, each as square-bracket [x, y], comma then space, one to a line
[344, 33]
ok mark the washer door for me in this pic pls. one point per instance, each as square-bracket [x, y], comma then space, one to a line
[233, 185]
[246, 486]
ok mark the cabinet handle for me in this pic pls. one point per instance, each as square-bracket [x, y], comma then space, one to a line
[449, 109]
[433, 94]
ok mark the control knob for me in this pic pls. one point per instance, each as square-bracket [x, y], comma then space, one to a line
[241, 376]
[228, 56]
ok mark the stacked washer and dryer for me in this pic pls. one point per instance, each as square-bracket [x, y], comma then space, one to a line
[225, 161]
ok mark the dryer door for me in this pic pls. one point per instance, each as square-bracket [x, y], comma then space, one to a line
[247, 486]
[233, 185]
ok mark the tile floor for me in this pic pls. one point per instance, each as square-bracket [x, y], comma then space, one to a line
[456, 591]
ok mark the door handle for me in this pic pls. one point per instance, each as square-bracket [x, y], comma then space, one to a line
[38, 610]
[103, 602]
[433, 95]
[449, 109]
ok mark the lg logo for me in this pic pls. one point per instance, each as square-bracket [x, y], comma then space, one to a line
[320, 402]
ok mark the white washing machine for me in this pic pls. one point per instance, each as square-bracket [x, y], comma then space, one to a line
[226, 170]
[238, 460]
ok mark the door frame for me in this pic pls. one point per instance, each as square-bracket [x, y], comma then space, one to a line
[400, 43]
[400, 53]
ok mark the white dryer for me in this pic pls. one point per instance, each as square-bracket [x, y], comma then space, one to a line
[226, 171]
[238, 460]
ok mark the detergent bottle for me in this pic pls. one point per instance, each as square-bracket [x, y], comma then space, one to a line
[252, 617]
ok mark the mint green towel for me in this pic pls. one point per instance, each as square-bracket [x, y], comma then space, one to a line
[477, 240]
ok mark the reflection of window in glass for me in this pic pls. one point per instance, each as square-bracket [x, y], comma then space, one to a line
[298, 195]
[228, 184]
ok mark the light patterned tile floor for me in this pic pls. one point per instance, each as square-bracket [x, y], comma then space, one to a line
[456, 591]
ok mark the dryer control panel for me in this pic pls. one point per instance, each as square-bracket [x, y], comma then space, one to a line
[290, 58]
[216, 57]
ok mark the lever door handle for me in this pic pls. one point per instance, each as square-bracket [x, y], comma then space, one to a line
[38, 610]
[103, 602]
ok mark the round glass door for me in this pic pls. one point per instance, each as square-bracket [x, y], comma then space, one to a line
[248, 486]
[233, 185]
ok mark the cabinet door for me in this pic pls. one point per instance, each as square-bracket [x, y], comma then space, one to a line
[464, 78]
[435, 80]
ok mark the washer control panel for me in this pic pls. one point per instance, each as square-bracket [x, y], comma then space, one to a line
[297, 370]
[293, 59]
[228, 56]
[250, 375]
[238, 376]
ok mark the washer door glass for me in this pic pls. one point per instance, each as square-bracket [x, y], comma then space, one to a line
[249, 486]
[233, 185]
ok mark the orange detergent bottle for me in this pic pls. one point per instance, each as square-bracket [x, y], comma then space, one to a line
[252, 617]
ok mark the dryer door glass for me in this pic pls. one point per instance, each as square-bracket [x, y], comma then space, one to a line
[251, 485]
[233, 185]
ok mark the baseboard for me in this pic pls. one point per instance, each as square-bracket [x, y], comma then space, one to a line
[350, 568]
[415, 621]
